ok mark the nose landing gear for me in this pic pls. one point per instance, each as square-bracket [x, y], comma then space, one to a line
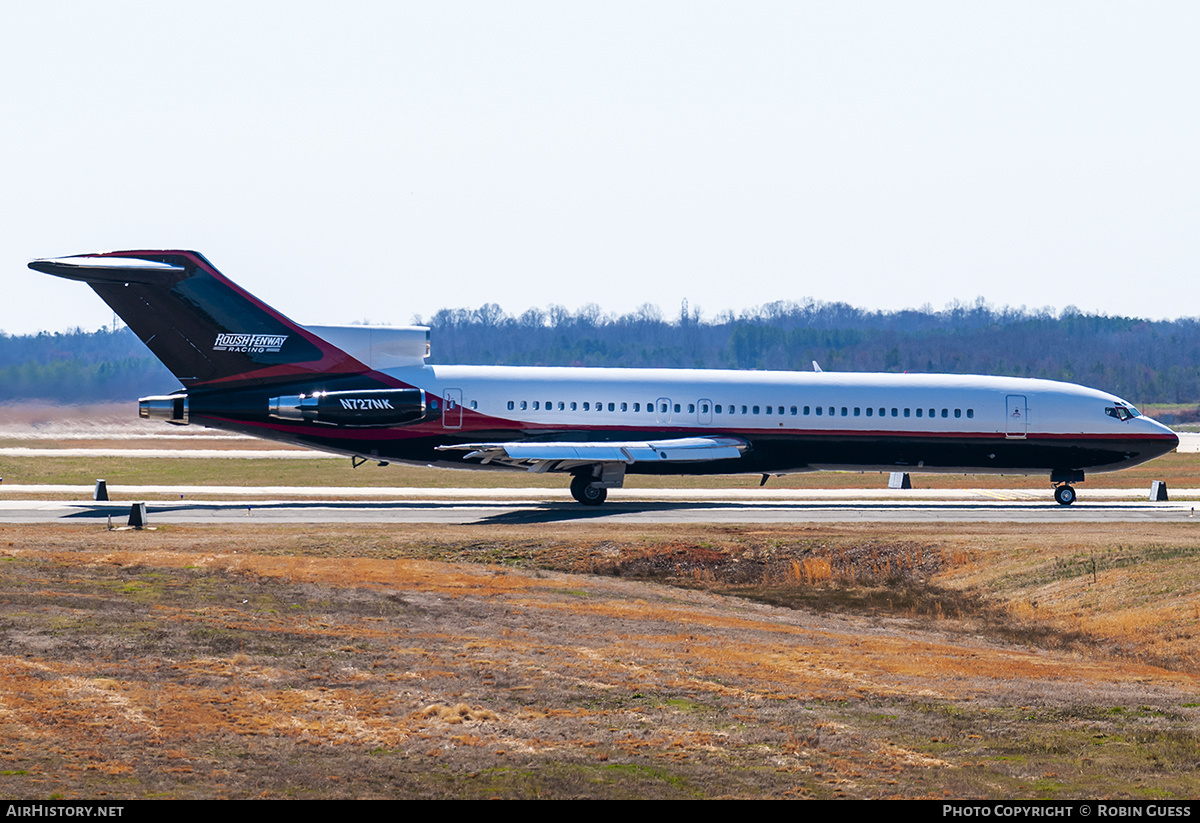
[1062, 479]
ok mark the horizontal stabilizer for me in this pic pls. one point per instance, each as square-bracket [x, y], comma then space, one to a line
[94, 268]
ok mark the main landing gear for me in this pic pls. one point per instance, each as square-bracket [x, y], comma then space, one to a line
[586, 493]
[1064, 495]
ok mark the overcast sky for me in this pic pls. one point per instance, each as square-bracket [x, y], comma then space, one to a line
[379, 160]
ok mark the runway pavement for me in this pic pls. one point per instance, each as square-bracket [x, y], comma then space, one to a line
[531, 506]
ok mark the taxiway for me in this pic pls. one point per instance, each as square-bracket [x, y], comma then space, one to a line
[530, 506]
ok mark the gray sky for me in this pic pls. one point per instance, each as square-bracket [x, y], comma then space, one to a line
[376, 160]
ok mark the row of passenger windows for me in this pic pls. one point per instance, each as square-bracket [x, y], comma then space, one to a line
[717, 408]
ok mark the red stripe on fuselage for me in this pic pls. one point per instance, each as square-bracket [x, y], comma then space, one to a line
[475, 421]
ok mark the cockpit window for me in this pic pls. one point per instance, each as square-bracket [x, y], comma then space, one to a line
[1122, 412]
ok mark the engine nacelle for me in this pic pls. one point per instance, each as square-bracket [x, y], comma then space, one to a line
[170, 407]
[362, 409]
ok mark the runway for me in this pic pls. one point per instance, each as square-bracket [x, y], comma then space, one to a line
[520, 506]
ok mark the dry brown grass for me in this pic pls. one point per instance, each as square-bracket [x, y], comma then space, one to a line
[494, 661]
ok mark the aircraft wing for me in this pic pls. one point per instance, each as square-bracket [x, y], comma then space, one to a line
[561, 456]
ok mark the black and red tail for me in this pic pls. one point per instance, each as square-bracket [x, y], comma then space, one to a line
[202, 326]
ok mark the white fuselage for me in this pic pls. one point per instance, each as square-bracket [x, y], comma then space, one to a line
[777, 401]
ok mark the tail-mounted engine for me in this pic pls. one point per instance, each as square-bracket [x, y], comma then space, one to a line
[170, 407]
[362, 409]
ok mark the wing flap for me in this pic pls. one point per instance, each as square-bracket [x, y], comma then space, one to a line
[678, 450]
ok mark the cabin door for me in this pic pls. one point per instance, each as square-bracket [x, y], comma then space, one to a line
[452, 413]
[704, 410]
[1018, 424]
[662, 410]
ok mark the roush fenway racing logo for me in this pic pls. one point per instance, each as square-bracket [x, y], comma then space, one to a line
[250, 343]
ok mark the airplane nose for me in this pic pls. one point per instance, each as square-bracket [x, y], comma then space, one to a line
[1170, 440]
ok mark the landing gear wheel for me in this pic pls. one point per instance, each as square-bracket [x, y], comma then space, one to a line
[587, 494]
[1064, 495]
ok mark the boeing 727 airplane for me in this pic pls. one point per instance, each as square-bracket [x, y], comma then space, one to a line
[367, 392]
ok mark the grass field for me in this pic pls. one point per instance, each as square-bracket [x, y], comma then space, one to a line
[840, 661]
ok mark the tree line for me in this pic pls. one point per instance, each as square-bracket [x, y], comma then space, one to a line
[1144, 361]
[79, 367]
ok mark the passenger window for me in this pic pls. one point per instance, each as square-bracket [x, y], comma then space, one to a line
[831, 411]
[717, 409]
[756, 409]
[637, 407]
[524, 405]
[743, 410]
[624, 407]
[587, 406]
[677, 408]
[857, 411]
[870, 411]
[907, 412]
[474, 404]
[919, 412]
[574, 406]
[793, 411]
[806, 411]
[970, 412]
[704, 408]
[945, 412]
[612, 406]
[820, 411]
[691, 408]
[535, 405]
[561, 405]
[510, 405]
[895, 412]
[958, 412]
[845, 411]
[769, 409]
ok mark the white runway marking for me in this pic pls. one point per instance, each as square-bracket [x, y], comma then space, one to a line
[174, 454]
[508, 495]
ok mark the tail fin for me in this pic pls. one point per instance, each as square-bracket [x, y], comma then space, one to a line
[200, 324]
